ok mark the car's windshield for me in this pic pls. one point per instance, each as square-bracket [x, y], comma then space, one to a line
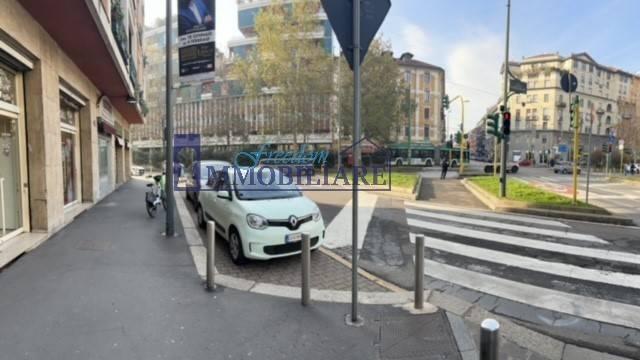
[205, 166]
[264, 184]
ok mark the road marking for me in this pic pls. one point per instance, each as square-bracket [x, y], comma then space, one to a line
[338, 233]
[493, 215]
[527, 263]
[505, 226]
[608, 255]
[577, 305]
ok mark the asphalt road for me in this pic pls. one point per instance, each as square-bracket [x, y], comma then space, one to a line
[575, 280]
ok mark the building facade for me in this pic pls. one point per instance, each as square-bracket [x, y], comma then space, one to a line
[70, 86]
[541, 120]
[427, 87]
[247, 12]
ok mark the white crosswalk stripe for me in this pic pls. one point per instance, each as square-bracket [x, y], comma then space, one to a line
[507, 226]
[471, 252]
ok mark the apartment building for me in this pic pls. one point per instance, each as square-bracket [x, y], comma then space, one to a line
[427, 86]
[247, 12]
[540, 118]
[70, 87]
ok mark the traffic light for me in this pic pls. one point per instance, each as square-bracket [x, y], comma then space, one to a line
[445, 102]
[492, 124]
[506, 123]
[605, 148]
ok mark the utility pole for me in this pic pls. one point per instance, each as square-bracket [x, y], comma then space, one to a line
[168, 186]
[505, 94]
[355, 319]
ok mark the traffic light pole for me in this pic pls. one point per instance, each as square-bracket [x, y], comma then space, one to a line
[576, 147]
[505, 141]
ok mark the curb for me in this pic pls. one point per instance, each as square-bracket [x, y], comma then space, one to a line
[499, 205]
[396, 296]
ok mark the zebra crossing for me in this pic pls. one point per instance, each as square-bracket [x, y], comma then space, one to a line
[532, 261]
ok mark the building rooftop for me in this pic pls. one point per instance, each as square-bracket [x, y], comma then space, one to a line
[406, 59]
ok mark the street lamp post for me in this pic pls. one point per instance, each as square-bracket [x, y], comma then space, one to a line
[600, 112]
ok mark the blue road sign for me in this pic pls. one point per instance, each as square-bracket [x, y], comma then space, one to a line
[569, 82]
[340, 13]
[563, 148]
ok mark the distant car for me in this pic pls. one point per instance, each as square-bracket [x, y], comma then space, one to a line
[200, 169]
[260, 219]
[636, 169]
[565, 167]
[137, 171]
[512, 168]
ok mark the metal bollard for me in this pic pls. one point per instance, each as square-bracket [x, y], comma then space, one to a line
[489, 332]
[211, 251]
[419, 276]
[306, 269]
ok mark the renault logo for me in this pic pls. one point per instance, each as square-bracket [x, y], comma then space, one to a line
[293, 221]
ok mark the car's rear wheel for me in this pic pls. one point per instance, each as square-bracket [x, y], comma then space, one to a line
[202, 222]
[514, 170]
[235, 248]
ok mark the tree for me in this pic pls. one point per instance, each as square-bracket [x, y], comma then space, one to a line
[288, 63]
[382, 94]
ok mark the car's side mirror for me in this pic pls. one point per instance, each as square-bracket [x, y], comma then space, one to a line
[224, 194]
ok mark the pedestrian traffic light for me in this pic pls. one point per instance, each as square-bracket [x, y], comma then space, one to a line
[492, 124]
[445, 102]
[506, 123]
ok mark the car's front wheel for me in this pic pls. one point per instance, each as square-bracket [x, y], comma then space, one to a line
[235, 248]
[202, 222]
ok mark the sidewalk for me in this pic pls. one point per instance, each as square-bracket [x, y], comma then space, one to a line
[448, 192]
[110, 286]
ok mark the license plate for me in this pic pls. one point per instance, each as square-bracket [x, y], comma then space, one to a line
[292, 238]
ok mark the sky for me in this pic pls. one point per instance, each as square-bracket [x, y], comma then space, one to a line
[467, 38]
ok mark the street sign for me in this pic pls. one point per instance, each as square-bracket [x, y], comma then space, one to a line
[563, 148]
[517, 86]
[340, 14]
[569, 82]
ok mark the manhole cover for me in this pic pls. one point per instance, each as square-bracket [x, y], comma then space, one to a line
[411, 337]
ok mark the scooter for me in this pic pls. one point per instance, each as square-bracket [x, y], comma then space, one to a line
[155, 196]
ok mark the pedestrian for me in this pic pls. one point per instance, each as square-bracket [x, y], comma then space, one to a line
[445, 167]
[633, 169]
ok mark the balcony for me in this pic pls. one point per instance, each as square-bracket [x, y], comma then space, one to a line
[561, 104]
[119, 31]
[96, 44]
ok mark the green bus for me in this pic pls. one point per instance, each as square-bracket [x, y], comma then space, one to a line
[423, 154]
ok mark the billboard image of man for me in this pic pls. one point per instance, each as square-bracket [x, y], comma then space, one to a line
[194, 15]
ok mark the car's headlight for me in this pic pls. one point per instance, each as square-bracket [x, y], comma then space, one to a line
[316, 216]
[256, 222]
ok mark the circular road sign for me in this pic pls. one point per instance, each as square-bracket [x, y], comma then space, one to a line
[569, 82]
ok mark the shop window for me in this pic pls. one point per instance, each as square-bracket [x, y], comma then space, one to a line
[7, 86]
[69, 115]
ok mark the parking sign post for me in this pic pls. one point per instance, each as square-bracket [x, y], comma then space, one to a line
[355, 33]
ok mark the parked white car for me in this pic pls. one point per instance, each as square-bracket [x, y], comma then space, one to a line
[200, 170]
[259, 221]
